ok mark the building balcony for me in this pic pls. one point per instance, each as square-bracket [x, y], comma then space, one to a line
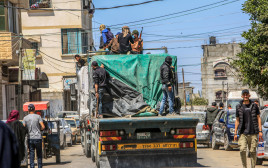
[37, 4]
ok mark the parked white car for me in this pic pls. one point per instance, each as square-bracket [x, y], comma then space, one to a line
[264, 122]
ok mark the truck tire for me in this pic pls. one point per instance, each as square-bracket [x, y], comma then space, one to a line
[57, 153]
[227, 146]
[215, 146]
[259, 161]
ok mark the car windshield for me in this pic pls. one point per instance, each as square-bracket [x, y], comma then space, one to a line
[233, 103]
[231, 118]
[72, 123]
[51, 125]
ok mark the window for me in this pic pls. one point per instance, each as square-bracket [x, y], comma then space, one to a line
[40, 4]
[13, 19]
[74, 41]
[2, 16]
[36, 47]
[220, 73]
[219, 95]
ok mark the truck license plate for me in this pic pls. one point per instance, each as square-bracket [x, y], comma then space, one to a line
[168, 145]
[144, 135]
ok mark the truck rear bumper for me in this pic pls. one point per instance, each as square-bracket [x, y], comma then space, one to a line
[144, 159]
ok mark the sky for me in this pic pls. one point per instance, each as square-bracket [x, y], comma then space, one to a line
[182, 26]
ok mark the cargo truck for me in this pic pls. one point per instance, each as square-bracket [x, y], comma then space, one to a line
[131, 134]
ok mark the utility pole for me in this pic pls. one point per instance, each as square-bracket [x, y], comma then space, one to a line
[20, 80]
[184, 89]
[222, 92]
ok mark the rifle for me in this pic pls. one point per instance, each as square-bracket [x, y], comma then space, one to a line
[140, 36]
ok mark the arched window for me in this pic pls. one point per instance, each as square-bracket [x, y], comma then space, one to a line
[219, 95]
[220, 73]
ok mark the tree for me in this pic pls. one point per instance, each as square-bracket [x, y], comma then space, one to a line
[252, 62]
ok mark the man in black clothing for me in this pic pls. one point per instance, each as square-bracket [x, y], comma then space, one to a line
[167, 81]
[248, 126]
[212, 112]
[101, 80]
[9, 150]
[123, 39]
[80, 62]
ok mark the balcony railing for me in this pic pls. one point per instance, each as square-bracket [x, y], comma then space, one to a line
[35, 4]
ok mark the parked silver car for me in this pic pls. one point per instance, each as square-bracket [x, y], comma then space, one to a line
[65, 132]
[264, 122]
[202, 130]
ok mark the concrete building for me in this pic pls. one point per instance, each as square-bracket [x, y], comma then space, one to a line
[188, 91]
[10, 29]
[58, 35]
[218, 78]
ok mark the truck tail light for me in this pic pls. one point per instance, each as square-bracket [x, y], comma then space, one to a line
[186, 145]
[108, 147]
[190, 131]
[108, 133]
[206, 127]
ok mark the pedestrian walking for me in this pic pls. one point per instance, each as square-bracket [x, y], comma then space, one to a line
[113, 46]
[221, 106]
[211, 114]
[248, 127]
[34, 124]
[19, 130]
[137, 46]
[124, 40]
[167, 81]
[101, 81]
[9, 150]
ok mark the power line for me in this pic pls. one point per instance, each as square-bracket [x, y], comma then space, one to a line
[55, 58]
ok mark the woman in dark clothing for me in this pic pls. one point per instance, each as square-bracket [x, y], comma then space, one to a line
[123, 39]
[19, 131]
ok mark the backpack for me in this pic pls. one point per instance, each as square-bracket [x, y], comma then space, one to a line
[109, 36]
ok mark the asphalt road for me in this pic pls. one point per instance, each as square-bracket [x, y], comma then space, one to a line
[72, 157]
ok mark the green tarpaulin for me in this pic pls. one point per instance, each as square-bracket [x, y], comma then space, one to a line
[140, 72]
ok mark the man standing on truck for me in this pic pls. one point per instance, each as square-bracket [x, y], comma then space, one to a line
[248, 126]
[137, 46]
[211, 114]
[101, 80]
[80, 61]
[33, 122]
[166, 78]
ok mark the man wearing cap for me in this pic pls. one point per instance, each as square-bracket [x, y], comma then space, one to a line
[101, 80]
[113, 46]
[166, 78]
[248, 127]
[137, 46]
[35, 124]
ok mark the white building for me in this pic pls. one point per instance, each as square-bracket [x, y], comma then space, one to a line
[59, 30]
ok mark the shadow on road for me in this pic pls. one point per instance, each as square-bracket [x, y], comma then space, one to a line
[54, 163]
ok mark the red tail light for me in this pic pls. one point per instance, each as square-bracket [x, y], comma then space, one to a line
[186, 145]
[206, 127]
[108, 147]
[190, 131]
[108, 133]
[88, 122]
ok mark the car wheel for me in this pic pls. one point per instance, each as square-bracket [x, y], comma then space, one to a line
[63, 143]
[259, 161]
[214, 145]
[227, 146]
[75, 139]
[71, 142]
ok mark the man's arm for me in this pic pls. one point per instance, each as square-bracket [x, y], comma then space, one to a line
[260, 126]
[42, 125]
[236, 126]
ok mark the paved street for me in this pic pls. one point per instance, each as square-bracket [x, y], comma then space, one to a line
[72, 157]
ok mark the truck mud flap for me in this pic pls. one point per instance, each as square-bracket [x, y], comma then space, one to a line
[149, 161]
